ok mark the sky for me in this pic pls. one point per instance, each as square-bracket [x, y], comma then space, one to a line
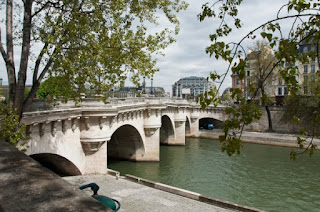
[186, 57]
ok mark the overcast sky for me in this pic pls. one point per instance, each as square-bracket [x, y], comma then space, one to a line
[187, 56]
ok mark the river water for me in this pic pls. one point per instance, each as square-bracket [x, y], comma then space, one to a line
[262, 176]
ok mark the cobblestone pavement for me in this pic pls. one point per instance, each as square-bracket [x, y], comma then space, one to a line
[136, 197]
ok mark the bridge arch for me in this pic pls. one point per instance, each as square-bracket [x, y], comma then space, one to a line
[126, 143]
[187, 126]
[166, 130]
[57, 163]
[203, 123]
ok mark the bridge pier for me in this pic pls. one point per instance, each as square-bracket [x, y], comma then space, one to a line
[152, 144]
[180, 118]
[96, 162]
[194, 125]
[180, 129]
[94, 135]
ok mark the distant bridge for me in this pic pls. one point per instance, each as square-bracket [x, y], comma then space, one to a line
[79, 140]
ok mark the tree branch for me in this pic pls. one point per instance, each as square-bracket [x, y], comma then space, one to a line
[41, 9]
[3, 51]
[38, 62]
[257, 28]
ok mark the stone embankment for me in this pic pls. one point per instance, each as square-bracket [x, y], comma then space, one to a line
[137, 194]
[276, 139]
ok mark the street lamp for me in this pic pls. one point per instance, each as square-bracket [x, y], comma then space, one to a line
[144, 85]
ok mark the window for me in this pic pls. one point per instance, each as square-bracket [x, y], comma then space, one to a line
[305, 69]
[285, 91]
[280, 81]
[248, 73]
[238, 81]
[279, 91]
[313, 68]
[305, 79]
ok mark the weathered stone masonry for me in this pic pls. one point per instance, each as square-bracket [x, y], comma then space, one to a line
[130, 129]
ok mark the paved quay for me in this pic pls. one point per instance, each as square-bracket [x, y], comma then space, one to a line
[267, 138]
[25, 185]
[137, 197]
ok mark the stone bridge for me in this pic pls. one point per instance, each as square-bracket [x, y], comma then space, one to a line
[78, 140]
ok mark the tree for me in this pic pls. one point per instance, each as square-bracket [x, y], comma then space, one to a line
[53, 87]
[88, 43]
[262, 68]
[304, 111]
[305, 19]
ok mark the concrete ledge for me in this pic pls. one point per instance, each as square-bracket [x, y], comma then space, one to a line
[25, 185]
[190, 194]
[113, 173]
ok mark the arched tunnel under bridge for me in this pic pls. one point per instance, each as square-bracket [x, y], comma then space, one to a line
[166, 130]
[57, 164]
[203, 123]
[126, 143]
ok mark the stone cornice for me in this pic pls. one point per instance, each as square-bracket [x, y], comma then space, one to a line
[111, 110]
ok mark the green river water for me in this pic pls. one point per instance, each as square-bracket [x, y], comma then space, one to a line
[262, 176]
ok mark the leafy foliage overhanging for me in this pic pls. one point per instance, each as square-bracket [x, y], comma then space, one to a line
[84, 44]
[305, 22]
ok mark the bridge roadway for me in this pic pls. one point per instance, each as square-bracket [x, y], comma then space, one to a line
[75, 140]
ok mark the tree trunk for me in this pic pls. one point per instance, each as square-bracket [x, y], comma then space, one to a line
[25, 51]
[10, 60]
[270, 129]
[30, 97]
[267, 109]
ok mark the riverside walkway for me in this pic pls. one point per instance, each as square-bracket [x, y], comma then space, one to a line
[136, 197]
[25, 185]
[266, 138]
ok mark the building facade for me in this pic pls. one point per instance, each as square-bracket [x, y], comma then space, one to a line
[190, 87]
[276, 87]
[256, 70]
[307, 71]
